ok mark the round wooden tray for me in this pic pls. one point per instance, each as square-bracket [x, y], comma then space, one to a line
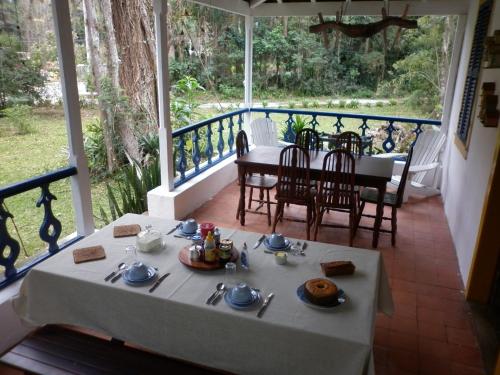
[184, 259]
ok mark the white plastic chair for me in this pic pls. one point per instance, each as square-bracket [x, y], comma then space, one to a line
[425, 158]
[264, 132]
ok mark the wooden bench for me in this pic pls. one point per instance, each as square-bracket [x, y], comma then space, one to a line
[58, 350]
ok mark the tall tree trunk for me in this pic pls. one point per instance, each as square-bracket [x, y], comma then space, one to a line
[92, 43]
[136, 47]
[123, 123]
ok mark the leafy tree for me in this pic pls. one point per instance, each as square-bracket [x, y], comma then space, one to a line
[20, 77]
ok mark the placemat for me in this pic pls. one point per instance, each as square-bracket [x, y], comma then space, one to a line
[126, 230]
[86, 254]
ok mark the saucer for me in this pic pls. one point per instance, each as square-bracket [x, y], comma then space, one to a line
[255, 301]
[302, 296]
[151, 275]
[272, 248]
[182, 233]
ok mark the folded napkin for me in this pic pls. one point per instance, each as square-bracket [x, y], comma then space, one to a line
[126, 230]
[86, 254]
[336, 268]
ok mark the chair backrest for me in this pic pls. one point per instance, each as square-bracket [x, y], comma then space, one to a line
[336, 187]
[351, 142]
[404, 176]
[426, 150]
[293, 174]
[264, 132]
[241, 144]
[308, 139]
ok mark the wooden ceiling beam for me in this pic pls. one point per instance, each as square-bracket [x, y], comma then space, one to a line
[256, 3]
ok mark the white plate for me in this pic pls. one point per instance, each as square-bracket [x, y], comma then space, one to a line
[302, 296]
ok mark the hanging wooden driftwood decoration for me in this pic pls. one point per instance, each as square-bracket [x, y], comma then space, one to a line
[364, 30]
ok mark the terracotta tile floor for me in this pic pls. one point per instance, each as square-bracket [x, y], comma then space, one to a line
[431, 331]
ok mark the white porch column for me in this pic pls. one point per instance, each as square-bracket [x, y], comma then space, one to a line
[248, 66]
[452, 74]
[80, 183]
[435, 178]
[160, 8]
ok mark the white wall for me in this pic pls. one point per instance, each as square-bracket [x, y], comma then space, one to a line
[465, 180]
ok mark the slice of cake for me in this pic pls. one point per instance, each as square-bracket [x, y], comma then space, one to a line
[336, 268]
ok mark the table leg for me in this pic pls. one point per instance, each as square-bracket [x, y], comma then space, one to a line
[379, 214]
[241, 176]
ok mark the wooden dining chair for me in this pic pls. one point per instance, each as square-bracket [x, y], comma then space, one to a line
[262, 182]
[351, 142]
[393, 200]
[308, 139]
[294, 184]
[336, 190]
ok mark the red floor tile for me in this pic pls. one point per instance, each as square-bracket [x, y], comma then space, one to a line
[431, 329]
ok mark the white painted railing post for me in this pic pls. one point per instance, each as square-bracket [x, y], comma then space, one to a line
[80, 183]
[160, 8]
[248, 67]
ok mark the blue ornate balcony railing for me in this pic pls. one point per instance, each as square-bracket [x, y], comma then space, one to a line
[194, 145]
[49, 231]
[199, 146]
[336, 122]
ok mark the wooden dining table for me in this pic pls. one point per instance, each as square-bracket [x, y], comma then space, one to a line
[370, 172]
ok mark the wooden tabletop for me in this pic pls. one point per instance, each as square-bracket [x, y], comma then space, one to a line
[366, 166]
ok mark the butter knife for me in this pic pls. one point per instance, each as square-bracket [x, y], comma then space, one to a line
[265, 304]
[174, 229]
[158, 282]
[259, 241]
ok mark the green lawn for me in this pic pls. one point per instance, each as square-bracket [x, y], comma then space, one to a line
[45, 149]
[24, 156]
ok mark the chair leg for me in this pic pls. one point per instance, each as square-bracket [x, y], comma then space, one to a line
[352, 221]
[277, 215]
[251, 198]
[361, 208]
[308, 221]
[317, 222]
[268, 208]
[394, 225]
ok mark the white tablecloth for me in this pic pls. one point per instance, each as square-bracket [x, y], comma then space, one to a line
[290, 338]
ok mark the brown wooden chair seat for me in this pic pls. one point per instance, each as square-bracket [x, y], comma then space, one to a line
[370, 195]
[262, 182]
[393, 200]
[265, 182]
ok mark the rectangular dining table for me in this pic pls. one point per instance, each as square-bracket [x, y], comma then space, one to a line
[370, 172]
[174, 320]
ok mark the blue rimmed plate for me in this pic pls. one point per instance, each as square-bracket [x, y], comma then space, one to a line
[151, 276]
[272, 248]
[342, 298]
[253, 302]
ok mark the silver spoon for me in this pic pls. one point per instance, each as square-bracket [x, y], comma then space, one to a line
[220, 292]
[123, 267]
[212, 296]
[114, 272]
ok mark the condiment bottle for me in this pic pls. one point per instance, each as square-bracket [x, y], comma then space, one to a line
[210, 249]
[217, 236]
